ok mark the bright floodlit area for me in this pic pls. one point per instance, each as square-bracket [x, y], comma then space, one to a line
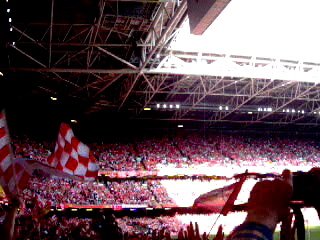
[186, 191]
[157, 125]
[286, 29]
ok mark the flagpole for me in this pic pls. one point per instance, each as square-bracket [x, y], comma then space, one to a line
[232, 198]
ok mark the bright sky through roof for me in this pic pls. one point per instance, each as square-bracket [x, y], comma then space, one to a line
[286, 29]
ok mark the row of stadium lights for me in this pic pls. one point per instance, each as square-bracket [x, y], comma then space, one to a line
[288, 110]
[266, 109]
[177, 106]
[9, 19]
[221, 108]
[171, 106]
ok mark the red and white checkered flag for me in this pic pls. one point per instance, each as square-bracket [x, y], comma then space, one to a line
[12, 174]
[72, 156]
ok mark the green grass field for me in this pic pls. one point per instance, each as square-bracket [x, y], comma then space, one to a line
[311, 233]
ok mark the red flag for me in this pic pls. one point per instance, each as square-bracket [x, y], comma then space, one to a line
[233, 197]
[72, 156]
[13, 176]
[220, 200]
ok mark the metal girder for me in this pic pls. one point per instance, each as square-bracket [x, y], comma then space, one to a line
[160, 41]
[310, 107]
[237, 102]
[156, 83]
[118, 58]
[198, 64]
[298, 91]
[107, 85]
[95, 31]
[202, 91]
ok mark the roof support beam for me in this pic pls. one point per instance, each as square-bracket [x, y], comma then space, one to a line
[280, 104]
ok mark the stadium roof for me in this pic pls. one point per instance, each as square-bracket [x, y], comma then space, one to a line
[257, 64]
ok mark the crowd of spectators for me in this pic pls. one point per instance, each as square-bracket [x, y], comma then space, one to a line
[178, 152]
[54, 228]
[53, 191]
[132, 192]
[146, 225]
[183, 151]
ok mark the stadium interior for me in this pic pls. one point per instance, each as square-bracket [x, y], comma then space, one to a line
[174, 98]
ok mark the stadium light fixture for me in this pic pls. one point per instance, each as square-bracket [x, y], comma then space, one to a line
[164, 105]
[1, 74]
[54, 98]
[220, 108]
[180, 126]
[170, 106]
[177, 106]
[249, 112]
[8, 10]
[73, 121]
[147, 109]
[158, 105]
[302, 111]
[227, 108]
